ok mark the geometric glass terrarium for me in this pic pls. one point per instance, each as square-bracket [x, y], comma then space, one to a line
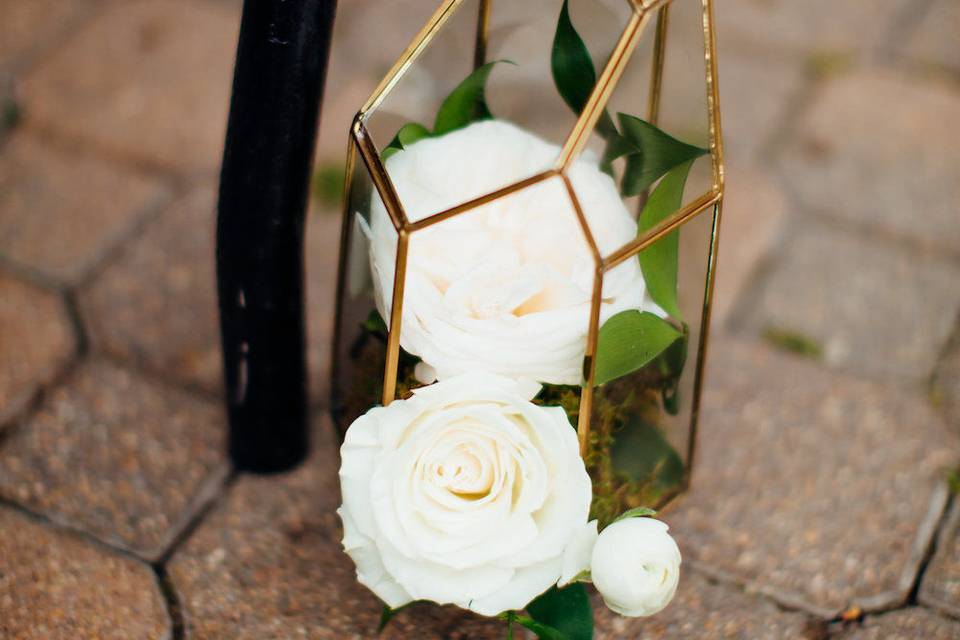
[536, 187]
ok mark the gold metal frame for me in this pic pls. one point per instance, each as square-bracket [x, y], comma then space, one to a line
[361, 144]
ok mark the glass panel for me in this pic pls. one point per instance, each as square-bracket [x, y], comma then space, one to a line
[367, 290]
[449, 146]
[641, 421]
[643, 139]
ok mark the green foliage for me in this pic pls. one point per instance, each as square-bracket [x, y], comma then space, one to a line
[630, 340]
[670, 364]
[649, 151]
[375, 325]
[408, 134]
[564, 612]
[654, 153]
[637, 512]
[660, 261]
[466, 104]
[793, 341]
[641, 453]
[573, 71]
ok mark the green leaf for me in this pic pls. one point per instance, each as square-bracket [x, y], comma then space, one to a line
[573, 71]
[636, 512]
[566, 611]
[672, 362]
[659, 262]
[407, 135]
[543, 631]
[467, 103]
[375, 324]
[656, 152]
[628, 341]
[641, 453]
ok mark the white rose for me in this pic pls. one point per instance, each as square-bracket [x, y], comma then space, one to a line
[636, 566]
[465, 493]
[506, 287]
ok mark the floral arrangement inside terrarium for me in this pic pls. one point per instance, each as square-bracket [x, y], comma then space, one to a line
[512, 297]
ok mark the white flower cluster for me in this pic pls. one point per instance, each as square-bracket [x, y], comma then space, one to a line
[467, 492]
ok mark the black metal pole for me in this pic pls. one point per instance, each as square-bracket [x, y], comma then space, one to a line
[277, 90]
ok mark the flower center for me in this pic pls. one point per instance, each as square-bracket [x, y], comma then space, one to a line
[464, 473]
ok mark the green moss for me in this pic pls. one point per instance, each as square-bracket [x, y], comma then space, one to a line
[326, 186]
[823, 64]
[630, 463]
[953, 481]
[793, 341]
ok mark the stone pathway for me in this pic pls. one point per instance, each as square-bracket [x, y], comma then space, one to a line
[822, 504]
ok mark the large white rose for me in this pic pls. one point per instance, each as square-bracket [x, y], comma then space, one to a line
[506, 287]
[465, 493]
[636, 566]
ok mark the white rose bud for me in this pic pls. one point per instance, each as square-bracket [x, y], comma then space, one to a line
[636, 566]
[505, 287]
[465, 493]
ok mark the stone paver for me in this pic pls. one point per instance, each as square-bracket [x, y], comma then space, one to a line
[146, 78]
[156, 305]
[36, 343]
[268, 563]
[263, 562]
[853, 27]
[908, 624]
[816, 487]
[934, 41]
[754, 218]
[874, 307]
[56, 586]
[703, 610]
[61, 212]
[27, 25]
[941, 582]
[877, 148]
[116, 456]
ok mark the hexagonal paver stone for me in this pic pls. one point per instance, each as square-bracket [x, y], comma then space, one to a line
[116, 456]
[704, 610]
[814, 26]
[896, 169]
[268, 563]
[906, 624]
[934, 41]
[56, 585]
[156, 305]
[61, 212]
[817, 488]
[146, 78]
[27, 26]
[875, 308]
[36, 343]
[941, 582]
